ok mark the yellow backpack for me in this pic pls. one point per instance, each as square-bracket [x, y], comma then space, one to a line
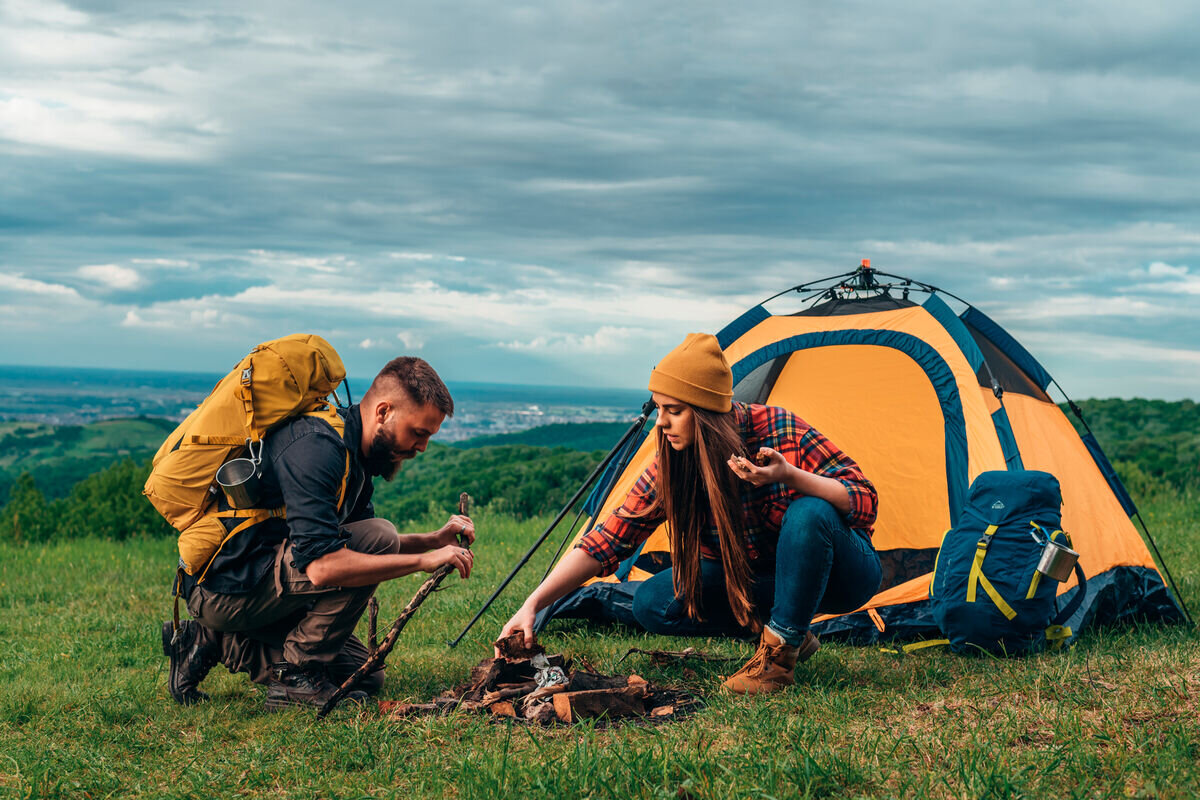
[278, 380]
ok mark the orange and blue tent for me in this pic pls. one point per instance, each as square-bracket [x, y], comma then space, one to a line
[924, 398]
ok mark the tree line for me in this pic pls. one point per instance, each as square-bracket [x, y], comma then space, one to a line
[1154, 445]
[516, 480]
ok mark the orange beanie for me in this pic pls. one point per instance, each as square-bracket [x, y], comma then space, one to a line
[697, 373]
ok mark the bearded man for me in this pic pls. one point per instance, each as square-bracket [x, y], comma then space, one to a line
[281, 600]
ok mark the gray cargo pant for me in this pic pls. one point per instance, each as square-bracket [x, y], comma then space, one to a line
[286, 618]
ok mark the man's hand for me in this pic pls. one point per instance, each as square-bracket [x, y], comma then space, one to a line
[774, 470]
[448, 533]
[521, 621]
[455, 555]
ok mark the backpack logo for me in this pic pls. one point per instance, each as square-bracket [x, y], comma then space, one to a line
[997, 505]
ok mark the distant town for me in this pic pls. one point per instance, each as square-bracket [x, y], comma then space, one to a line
[59, 396]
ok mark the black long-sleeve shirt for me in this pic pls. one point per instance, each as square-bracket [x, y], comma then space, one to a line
[303, 464]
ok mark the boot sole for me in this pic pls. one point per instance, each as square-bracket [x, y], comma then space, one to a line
[284, 703]
[808, 647]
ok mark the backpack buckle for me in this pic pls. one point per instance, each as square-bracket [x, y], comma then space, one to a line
[986, 539]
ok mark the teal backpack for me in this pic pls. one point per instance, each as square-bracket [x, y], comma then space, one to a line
[986, 592]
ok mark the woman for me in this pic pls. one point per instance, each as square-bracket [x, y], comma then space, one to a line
[769, 523]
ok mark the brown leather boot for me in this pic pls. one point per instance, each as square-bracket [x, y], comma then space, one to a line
[772, 666]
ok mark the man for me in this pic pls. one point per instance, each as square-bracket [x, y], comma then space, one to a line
[281, 600]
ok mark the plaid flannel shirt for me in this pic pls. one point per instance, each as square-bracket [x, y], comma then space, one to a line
[615, 539]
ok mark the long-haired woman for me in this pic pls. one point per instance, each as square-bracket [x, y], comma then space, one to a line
[769, 523]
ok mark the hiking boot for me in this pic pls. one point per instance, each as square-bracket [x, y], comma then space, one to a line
[193, 652]
[291, 686]
[772, 666]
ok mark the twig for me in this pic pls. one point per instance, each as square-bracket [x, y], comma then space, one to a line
[372, 623]
[376, 656]
[667, 656]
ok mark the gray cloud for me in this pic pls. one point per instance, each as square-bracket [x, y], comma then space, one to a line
[572, 169]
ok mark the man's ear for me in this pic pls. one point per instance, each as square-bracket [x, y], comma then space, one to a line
[382, 409]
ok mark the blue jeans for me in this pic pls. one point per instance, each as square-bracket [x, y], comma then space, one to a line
[821, 566]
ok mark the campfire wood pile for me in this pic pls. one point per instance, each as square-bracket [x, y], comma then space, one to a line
[509, 687]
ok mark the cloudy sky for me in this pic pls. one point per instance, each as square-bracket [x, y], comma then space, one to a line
[556, 192]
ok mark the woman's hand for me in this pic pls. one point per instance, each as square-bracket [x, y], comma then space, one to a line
[774, 467]
[575, 568]
[448, 533]
[521, 621]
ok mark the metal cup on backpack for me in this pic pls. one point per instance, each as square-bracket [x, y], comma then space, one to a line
[1057, 561]
[239, 478]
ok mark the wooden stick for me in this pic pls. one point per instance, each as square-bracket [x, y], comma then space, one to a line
[372, 624]
[667, 656]
[376, 656]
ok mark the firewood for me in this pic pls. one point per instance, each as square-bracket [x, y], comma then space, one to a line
[585, 681]
[513, 647]
[545, 691]
[505, 688]
[627, 702]
[541, 712]
[503, 709]
[393, 708]
[513, 690]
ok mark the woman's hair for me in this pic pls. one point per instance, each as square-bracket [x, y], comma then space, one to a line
[695, 485]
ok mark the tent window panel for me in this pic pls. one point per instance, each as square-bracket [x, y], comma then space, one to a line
[901, 566]
[654, 562]
[844, 306]
[756, 387]
[1011, 377]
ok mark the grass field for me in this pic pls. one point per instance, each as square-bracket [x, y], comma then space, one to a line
[84, 711]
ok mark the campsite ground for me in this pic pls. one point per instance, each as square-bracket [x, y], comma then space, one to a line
[84, 710]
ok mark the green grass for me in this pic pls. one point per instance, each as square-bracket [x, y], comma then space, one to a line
[84, 710]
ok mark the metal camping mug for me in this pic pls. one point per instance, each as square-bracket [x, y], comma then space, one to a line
[238, 479]
[1057, 561]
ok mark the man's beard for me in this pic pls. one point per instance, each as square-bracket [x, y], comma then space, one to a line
[381, 456]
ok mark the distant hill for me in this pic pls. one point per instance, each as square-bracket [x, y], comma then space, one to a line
[514, 479]
[59, 456]
[1147, 439]
[1154, 444]
[518, 479]
[574, 436]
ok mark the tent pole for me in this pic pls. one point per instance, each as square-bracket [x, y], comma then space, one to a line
[570, 529]
[626, 457]
[647, 407]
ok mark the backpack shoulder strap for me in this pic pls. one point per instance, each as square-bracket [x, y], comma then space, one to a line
[1070, 608]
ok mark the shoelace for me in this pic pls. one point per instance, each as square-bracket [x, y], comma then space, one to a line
[757, 663]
